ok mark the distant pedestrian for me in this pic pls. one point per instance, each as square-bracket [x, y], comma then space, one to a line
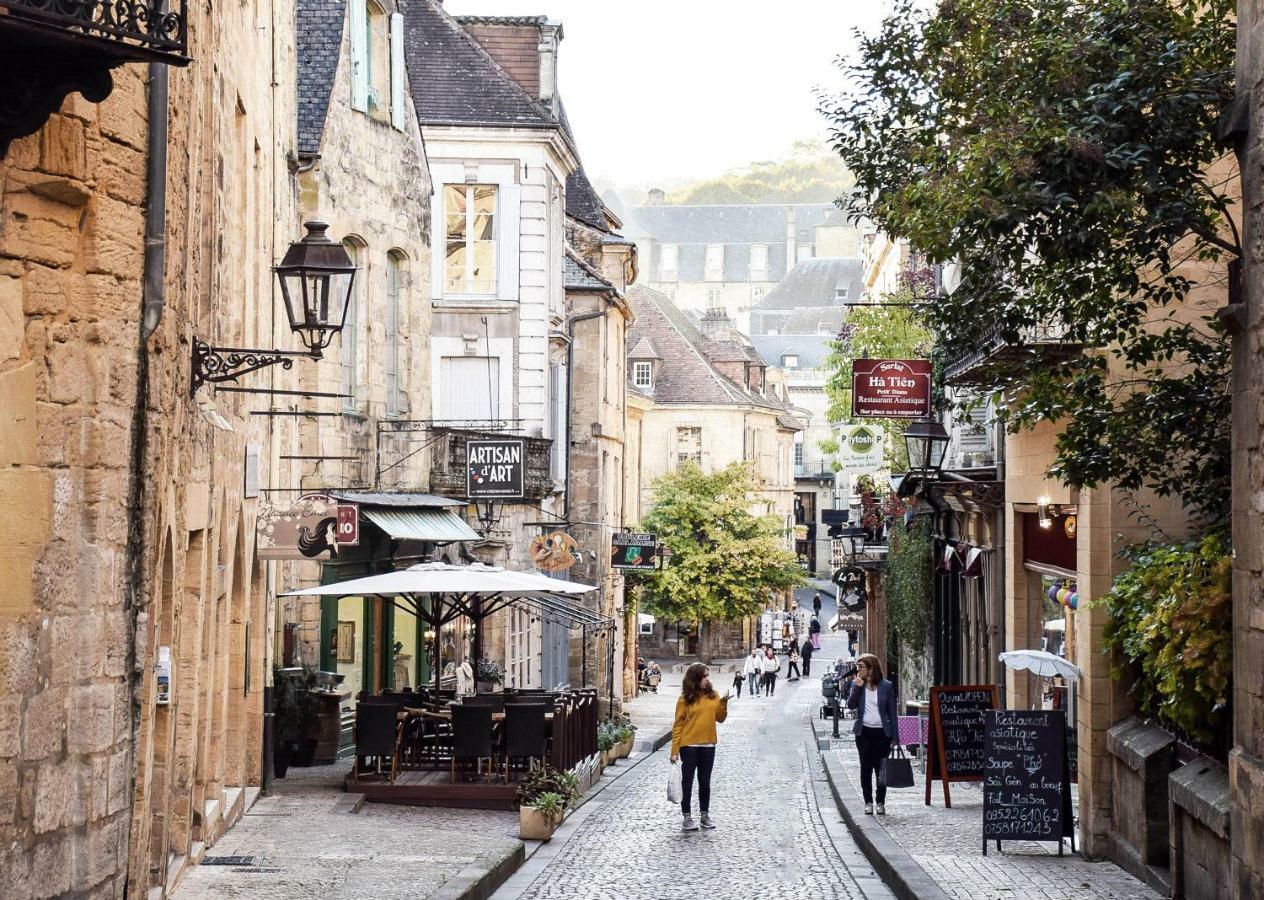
[814, 632]
[772, 666]
[738, 680]
[693, 741]
[753, 670]
[873, 698]
[816, 604]
[792, 670]
[806, 653]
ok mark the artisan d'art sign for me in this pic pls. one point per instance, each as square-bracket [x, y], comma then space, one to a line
[495, 468]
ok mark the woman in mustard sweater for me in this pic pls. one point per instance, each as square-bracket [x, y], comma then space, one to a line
[693, 739]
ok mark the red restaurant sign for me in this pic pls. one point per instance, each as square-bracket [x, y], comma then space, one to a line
[890, 388]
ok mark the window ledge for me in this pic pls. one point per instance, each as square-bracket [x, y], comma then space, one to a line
[471, 305]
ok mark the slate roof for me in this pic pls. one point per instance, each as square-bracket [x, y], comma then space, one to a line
[685, 373]
[501, 20]
[812, 349]
[318, 44]
[582, 202]
[580, 276]
[813, 282]
[643, 349]
[825, 320]
[455, 81]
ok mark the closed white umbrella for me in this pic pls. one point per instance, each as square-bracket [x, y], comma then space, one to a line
[1041, 662]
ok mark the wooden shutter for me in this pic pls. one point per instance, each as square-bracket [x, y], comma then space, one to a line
[507, 229]
[359, 55]
[398, 79]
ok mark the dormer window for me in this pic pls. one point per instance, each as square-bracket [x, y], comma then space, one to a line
[840, 293]
[789, 360]
[643, 374]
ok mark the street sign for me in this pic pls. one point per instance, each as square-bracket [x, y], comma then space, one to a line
[633, 550]
[495, 468]
[312, 527]
[890, 388]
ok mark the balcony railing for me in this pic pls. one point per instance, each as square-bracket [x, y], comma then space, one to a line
[995, 354]
[126, 30]
[814, 471]
[450, 460]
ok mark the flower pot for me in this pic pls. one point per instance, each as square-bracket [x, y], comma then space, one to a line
[624, 748]
[281, 754]
[533, 825]
[487, 687]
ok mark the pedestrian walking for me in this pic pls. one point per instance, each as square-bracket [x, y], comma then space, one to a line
[805, 652]
[873, 698]
[814, 632]
[816, 604]
[738, 680]
[792, 669]
[693, 741]
[772, 666]
[753, 671]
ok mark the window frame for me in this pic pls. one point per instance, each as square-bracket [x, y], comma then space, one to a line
[464, 290]
[648, 370]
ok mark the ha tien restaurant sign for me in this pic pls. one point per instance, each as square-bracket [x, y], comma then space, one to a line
[495, 468]
[890, 388]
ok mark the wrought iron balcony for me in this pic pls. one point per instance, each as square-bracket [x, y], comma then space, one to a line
[52, 48]
[995, 354]
[450, 455]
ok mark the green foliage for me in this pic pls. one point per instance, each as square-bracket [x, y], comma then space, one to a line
[549, 805]
[605, 737]
[726, 561]
[907, 584]
[1064, 153]
[490, 671]
[547, 780]
[1171, 629]
[879, 332]
[294, 706]
[620, 728]
[810, 175]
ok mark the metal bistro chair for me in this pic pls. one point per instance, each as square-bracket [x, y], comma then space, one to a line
[471, 736]
[526, 733]
[496, 702]
[376, 736]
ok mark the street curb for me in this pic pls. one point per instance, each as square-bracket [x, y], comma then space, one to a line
[480, 879]
[655, 743]
[899, 871]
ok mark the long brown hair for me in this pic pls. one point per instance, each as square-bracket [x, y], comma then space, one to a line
[691, 689]
[875, 667]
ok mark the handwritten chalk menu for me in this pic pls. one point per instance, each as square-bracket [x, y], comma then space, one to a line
[957, 726]
[1026, 791]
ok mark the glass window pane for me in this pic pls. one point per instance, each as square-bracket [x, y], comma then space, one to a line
[484, 268]
[482, 228]
[484, 199]
[456, 227]
[454, 198]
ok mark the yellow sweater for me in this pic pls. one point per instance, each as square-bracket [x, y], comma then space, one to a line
[695, 722]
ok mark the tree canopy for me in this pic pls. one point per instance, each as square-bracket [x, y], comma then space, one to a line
[1064, 153]
[726, 562]
[809, 175]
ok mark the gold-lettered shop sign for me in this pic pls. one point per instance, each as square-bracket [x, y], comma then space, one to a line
[314, 526]
[890, 388]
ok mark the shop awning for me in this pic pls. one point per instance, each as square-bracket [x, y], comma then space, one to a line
[439, 525]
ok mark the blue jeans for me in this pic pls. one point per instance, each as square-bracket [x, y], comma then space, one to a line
[700, 760]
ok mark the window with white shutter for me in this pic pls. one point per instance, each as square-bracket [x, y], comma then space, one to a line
[394, 290]
[398, 76]
[469, 389]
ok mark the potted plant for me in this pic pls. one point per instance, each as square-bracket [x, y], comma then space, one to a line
[293, 712]
[624, 735]
[605, 743]
[543, 800]
[489, 675]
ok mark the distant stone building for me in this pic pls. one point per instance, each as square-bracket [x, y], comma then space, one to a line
[730, 256]
[713, 403]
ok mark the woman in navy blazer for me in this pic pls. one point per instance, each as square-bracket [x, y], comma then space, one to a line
[873, 698]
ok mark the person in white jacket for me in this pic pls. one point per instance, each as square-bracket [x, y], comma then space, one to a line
[771, 666]
[752, 670]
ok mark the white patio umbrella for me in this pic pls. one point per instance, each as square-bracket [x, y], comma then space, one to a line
[475, 590]
[1055, 625]
[1041, 662]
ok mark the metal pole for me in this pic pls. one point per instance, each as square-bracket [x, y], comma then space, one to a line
[583, 655]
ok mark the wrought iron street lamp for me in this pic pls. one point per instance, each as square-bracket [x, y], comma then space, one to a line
[316, 276]
[854, 541]
[927, 444]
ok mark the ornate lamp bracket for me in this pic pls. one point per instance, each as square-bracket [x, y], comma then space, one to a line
[216, 364]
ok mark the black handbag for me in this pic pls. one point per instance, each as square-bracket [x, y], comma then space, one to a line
[896, 771]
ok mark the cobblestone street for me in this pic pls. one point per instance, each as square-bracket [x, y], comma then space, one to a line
[772, 839]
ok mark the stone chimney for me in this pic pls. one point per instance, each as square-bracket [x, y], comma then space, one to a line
[656, 197]
[550, 38]
[717, 326]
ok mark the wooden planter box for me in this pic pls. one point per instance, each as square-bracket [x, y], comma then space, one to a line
[534, 826]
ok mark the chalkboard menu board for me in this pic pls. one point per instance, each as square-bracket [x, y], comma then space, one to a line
[957, 727]
[1026, 792]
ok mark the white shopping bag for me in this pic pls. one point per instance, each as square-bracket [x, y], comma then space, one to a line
[675, 791]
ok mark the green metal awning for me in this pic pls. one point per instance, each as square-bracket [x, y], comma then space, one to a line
[415, 524]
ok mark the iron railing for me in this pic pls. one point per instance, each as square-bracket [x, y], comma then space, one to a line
[139, 29]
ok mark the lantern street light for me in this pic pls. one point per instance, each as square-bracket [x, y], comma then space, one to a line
[927, 444]
[316, 277]
[855, 541]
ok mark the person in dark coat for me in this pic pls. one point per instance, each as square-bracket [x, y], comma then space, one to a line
[805, 653]
[814, 633]
[816, 604]
[876, 728]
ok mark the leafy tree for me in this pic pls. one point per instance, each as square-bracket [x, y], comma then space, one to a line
[1064, 153]
[726, 562]
[810, 175]
[895, 331]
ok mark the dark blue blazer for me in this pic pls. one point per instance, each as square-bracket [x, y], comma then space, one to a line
[886, 707]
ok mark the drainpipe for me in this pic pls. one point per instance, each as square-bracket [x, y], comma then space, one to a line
[156, 203]
[570, 393]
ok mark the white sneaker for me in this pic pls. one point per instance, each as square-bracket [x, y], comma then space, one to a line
[868, 809]
[706, 821]
[689, 824]
[882, 809]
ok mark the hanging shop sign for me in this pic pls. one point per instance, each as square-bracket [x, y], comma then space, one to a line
[495, 468]
[890, 388]
[633, 550]
[312, 527]
[860, 453]
[554, 552]
[852, 595]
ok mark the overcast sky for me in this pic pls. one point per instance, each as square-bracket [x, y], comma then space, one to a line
[663, 90]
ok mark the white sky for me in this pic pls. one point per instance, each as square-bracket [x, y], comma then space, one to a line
[663, 90]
